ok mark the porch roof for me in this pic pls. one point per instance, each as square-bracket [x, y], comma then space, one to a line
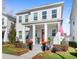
[38, 22]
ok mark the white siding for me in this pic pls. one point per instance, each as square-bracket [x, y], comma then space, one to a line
[6, 27]
[20, 27]
[5, 20]
[49, 14]
[73, 18]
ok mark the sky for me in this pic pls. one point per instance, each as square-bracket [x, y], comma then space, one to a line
[15, 6]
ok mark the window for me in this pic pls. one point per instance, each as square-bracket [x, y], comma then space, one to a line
[26, 32]
[26, 18]
[20, 19]
[54, 13]
[44, 14]
[73, 38]
[42, 31]
[35, 16]
[20, 34]
[3, 32]
[2, 21]
[26, 35]
[73, 22]
[36, 33]
[53, 32]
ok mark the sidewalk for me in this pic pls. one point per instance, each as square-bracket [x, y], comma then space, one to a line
[29, 55]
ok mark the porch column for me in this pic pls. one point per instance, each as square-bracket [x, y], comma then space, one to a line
[23, 35]
[6, 36]
[58, 26]
[33, 34]
[45, 31]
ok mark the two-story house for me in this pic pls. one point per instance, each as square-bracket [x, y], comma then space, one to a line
[39, 22]
[7, 20]
[73, 22]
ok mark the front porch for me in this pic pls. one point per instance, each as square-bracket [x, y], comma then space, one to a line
[41, 31]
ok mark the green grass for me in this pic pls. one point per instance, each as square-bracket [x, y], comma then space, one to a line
[7, 50]
[66, 55]
[52, 56]
[71, 49]
[14, 51]
[59, 55]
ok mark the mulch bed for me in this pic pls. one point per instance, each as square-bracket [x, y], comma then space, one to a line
[20, 51]
[11, 49]
[40, 55]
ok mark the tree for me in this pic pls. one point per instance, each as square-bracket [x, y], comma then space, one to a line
[12, 34]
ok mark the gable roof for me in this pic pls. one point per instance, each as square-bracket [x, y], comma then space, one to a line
[10, 17]
[41, 7]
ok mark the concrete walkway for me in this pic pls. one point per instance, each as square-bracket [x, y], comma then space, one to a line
[29, 55]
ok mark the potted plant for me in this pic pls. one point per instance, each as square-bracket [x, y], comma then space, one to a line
[43, 45]
[30, 44]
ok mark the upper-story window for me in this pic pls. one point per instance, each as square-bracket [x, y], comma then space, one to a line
[35, 16]
[2, 21]
[26, 18]
[20, 19]
[44, 14]
[54, 13]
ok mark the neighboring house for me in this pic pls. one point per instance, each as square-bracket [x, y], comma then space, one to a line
[7, 20]
[73, 22]
[39, 23]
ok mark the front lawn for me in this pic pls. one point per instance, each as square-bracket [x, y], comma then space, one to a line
[11, 49]
[57, 55]
[14, 51]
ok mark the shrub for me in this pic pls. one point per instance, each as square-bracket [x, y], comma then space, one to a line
[74, 54]
[54, 49]
[19, 45]
[63, 42]
[17, 41]
[60, 47]
[64, 47]
[49, 40]
[2, 42]
[8, 45]
[73, 44]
